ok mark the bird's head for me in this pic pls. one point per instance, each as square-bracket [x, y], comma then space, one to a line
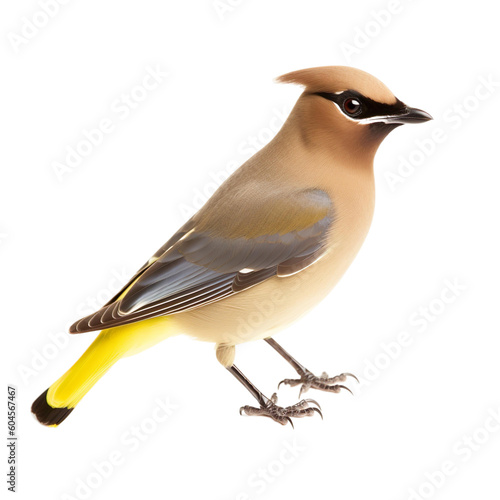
[348, 108]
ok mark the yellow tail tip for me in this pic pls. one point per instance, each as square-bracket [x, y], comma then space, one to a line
[46, 414]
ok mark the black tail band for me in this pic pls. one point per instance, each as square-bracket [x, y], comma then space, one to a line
[46, 414]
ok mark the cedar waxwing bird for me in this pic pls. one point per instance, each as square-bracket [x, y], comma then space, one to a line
[270, 244]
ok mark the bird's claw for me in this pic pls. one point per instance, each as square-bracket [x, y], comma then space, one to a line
[283, 415]
[324, 383]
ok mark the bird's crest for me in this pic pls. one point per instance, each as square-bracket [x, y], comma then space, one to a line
[337, 79]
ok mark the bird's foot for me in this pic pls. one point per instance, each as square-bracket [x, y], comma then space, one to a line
[283, 415]
[308, 380]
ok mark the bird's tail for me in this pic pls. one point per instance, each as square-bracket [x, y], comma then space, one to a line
[59, 400]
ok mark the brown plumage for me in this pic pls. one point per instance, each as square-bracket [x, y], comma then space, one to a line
[282, 230]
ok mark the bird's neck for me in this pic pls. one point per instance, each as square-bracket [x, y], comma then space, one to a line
[313, 151]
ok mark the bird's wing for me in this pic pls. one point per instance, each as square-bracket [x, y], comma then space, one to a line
[199, 265]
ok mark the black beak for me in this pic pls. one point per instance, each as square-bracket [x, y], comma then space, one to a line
[409, 115]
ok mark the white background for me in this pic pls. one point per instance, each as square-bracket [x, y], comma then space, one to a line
[65, 239]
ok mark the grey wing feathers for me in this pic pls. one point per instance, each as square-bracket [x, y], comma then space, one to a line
[196, 268]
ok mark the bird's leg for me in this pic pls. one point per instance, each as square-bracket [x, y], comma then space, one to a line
[269, 408]
[307, 379]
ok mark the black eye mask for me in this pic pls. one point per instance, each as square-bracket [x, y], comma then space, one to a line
[369, 107]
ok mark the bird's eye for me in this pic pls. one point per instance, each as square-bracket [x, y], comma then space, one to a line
[352, 106]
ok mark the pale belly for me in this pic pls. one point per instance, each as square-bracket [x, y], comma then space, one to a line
[261, 311]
